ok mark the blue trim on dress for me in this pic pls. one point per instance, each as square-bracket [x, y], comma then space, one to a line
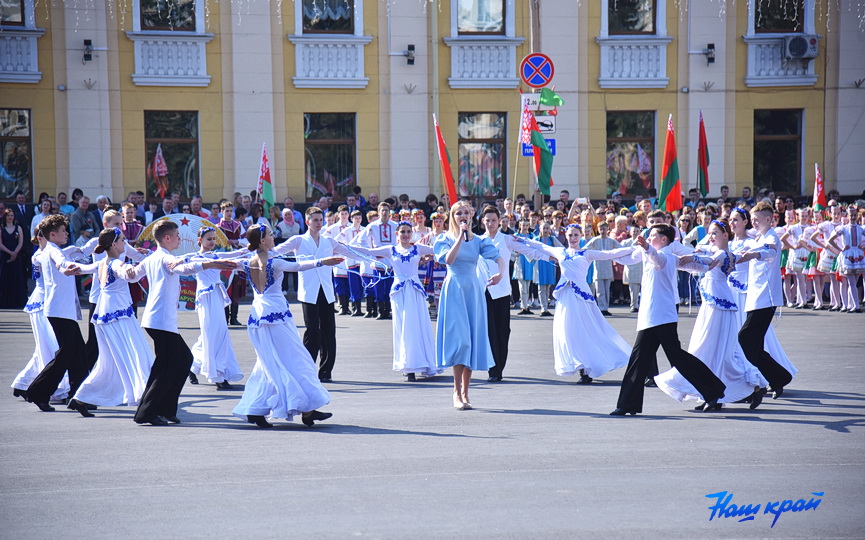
[36, 274]
[715, 301]
[268, 272]
[737, 284]
[404, 258]
[33, 306]
[569, 257]
[270, 318]
[114, 315]
[578, 291]
[404, 284]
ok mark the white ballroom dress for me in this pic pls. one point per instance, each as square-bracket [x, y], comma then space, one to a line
[213, 354]
[284, 381]
[123, 368]
[413, 342]
[714, 339]
[46, 343]
[738, 280]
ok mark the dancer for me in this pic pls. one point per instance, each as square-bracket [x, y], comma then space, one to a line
[158, 404]
[355, 284]
[461, 338]
[796, 241]
[340, 271]
[657, 324]
[46, 343]
[713, 339]
[315, 290]
[413, 343]
[583, 340]
[826, 262]
[851, 258]
[435, 272]
[213, 354]
[380, 233]
[233, 230]
[63, 312]
[812, 273]
[764, 295]
[283, 382]
[545, 272]
[132, 229]
[524, 270]
[121, 372]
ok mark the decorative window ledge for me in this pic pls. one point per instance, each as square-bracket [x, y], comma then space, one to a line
[483, 61]
[769, 66]
[170, 58]
[633, 61]
[329, 61]
[19, 57]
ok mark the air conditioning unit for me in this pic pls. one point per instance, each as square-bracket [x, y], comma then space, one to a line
[801, 46]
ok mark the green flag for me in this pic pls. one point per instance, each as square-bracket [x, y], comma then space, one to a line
[550, 98]
[543, 159]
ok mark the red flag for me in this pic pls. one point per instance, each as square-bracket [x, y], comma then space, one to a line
[265, 186]
[703, 160]
[160, 171]
[445, 160]
[670, 196]
[819, 202]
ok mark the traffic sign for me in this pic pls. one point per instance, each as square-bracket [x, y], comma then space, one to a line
[536, 70]
[533, 102]
[528, 151]
[546, 124]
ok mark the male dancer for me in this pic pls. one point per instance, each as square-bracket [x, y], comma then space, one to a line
[173, 358]
[340, 271]
[657, 325]
[381, 232]
[63, 312]
[499, 295]
[315, 290]
[764, 295]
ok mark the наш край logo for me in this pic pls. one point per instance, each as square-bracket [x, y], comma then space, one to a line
[724, 507]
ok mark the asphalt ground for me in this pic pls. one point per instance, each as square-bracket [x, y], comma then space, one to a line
[538, 457]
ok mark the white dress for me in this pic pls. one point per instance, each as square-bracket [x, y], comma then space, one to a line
[738, 280]
[284, 381]
[582, 337]
[46, 343]
[123, 368]
[213, 354]
[413, 342]
[714, 339]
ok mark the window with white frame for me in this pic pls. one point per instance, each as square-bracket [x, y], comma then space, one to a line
[328, 16]
[168, 15]
[16, 153]
[631, 17]
[633, 41]
[771, 24]
[12, 12]
[479, 17]
[19, 56]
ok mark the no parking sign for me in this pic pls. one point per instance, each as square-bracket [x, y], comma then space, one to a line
[536, 70]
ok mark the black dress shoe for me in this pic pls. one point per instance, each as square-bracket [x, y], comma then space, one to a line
[193, 379]
[650, 383]
[777, 393]
[76, 405]
[757, 398]
[712, 406]
[622, 412]
[325, 379]
[19, 393]
[700, 407]
[224, 386]
[44, 407]
[258, 420]
[606, 313]
[172, 419]
[159, 421]
[410, 377]
[309, 419]
[585, 379]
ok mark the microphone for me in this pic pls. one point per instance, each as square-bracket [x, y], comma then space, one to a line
[465, 233]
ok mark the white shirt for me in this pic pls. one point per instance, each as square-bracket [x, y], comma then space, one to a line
[659, 293]
[334, 231]
[321, 278]
[61, 295]
[506, 244]
[87, 250]
[160, 312]
[375, 235]
[764, 277]
[37, 219]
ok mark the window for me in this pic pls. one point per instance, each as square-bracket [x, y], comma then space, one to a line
[328, 16]
[16, 172]
[12, 12]
[631, 17]
[630, 152]
[175, 133]
[482, 154]
[481, 16]
[778, 150]
[168, 15]
[772, 16]
[329, 149]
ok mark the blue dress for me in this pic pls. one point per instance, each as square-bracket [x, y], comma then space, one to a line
[461, 329]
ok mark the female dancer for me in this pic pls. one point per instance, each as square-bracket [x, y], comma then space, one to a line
[213, 354]
[583, 340]
[740, 224]
[284, 381]
[812, 273]
[435, 272]
[461, 332]
[123, 367]
[233, 230]
[826, 263]
[851, 258]
[794, 238]
[46, 342]
[714, 338]
[413, 344]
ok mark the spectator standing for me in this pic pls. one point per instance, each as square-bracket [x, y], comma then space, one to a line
[13, 267]
[45, 207]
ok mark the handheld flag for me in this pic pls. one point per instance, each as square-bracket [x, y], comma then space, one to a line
[703, 161]
[670, 196]
[265, 186]
[819, 202]
[445, 160]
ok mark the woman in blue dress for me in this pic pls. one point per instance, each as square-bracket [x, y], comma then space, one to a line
[461, 331]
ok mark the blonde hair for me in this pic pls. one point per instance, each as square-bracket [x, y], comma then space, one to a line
[110, 214]
[454, 227]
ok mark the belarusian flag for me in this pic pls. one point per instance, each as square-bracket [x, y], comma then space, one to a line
[542, 157]
[445, 161]
[703, 161]
[670, 196]
[265, 186]
[819, 202]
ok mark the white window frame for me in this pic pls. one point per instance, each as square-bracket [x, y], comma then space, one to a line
[756, 41]
[29, 34]
[608, 43]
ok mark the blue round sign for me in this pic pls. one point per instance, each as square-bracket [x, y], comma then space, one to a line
[536, 70]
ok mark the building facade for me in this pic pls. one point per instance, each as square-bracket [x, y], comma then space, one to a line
[342, 93]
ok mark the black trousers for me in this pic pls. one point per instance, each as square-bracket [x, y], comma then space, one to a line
[320, 333]
[167, 376]
[752, 338]
[644, 357]
[499, 330]
[92, 346]
[69, 357]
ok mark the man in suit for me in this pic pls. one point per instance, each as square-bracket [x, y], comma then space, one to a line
[167, 208]
[351, 203]
[23, 213]
[103, 204]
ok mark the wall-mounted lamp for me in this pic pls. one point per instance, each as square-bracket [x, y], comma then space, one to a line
[710, 53]
[409, 54]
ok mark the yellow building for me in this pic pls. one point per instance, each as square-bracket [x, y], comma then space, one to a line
[342, 93]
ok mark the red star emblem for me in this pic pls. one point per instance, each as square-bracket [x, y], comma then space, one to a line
[184, 221]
